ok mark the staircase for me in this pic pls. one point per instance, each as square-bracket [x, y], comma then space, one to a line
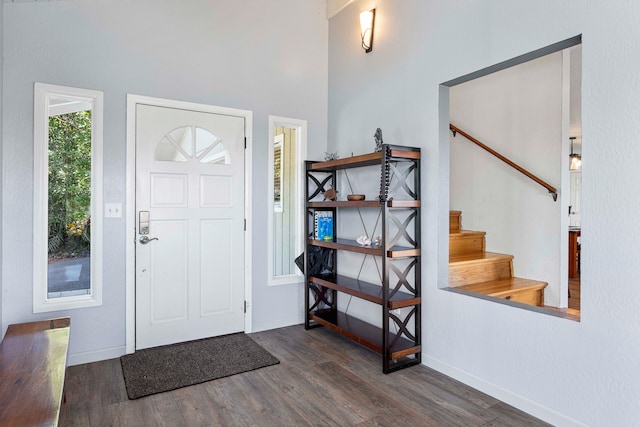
[473, 269]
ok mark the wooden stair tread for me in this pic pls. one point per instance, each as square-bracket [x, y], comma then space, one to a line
[498, 288]
[473, 269]
[478, 258]
[466, 234]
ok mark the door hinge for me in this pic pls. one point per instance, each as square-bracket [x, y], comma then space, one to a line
[245, 142]
[245, 224]
[245, 306]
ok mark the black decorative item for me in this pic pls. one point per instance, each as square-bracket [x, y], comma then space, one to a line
[385, 178]
[320, 261]
[378, 138]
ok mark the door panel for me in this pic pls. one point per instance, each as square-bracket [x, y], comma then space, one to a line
[216, 191]
[216, 237]
[190, 177]
[169, 190]
[168, 278]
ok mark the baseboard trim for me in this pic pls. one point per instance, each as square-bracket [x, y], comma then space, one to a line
[95, 356]
[278, 323]
[524, 404]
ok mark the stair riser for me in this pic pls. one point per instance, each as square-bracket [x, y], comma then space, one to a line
[466, 245]
[479, 272]
[455, 224]
[530, 297]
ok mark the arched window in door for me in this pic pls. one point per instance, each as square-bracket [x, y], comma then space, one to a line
[192, 143]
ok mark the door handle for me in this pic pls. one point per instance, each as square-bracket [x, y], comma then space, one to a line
[145, 239]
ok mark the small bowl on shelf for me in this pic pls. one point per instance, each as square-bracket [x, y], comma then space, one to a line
[355, 197]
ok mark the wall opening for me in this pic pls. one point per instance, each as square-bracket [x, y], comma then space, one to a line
[526, 109]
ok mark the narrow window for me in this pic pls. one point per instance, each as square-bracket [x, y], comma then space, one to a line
[67, 198]
[287, 150]
[278, 142]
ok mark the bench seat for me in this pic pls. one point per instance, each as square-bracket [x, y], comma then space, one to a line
[33, 359]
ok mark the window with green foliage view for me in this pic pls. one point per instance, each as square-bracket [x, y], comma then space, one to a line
[67, 198]
[69, 186]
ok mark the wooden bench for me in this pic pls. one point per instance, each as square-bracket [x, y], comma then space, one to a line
[33, 359]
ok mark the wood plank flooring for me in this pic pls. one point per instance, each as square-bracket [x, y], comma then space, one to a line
[323, 379]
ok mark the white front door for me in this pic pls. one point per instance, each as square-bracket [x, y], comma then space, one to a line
[190, 194]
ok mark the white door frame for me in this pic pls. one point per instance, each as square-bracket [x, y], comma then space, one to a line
[130, 279]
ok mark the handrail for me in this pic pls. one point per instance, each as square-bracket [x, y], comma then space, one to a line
[552, 189]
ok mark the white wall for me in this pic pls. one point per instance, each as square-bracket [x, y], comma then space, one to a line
[231, 53]
[335, 6]
[563, 371]
[518, 113]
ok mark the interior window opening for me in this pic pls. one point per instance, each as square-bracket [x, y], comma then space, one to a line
[514, 181]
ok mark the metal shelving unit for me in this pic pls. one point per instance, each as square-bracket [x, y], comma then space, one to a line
[397, 337]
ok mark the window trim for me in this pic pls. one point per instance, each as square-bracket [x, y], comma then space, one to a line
[43, 93]
[301, 154]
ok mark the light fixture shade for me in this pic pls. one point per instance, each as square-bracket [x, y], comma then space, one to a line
[576, 162]
[367, 19]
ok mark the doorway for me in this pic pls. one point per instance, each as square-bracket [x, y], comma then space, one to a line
[188, 257]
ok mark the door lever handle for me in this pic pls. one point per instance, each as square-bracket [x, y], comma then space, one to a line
[145, 239]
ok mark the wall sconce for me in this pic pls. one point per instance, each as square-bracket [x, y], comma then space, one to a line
[366, 29]
[575, 159]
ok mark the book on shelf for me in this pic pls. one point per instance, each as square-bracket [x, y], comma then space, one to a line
[323, 225]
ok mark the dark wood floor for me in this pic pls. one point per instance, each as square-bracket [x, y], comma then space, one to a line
[322, 380]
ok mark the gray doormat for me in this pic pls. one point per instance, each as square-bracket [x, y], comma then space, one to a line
[160, 369]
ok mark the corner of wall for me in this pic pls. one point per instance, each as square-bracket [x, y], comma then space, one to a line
[335, 6]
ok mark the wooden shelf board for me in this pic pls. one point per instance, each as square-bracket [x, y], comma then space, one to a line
[397, 252]
[404, 303]
[404, 154]
[353, 246]
[403, 203]
[346, 204]
[348, 162]
[363, 160]
[365, 204]
[348, 245]
[364, 333]
[367, 291]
